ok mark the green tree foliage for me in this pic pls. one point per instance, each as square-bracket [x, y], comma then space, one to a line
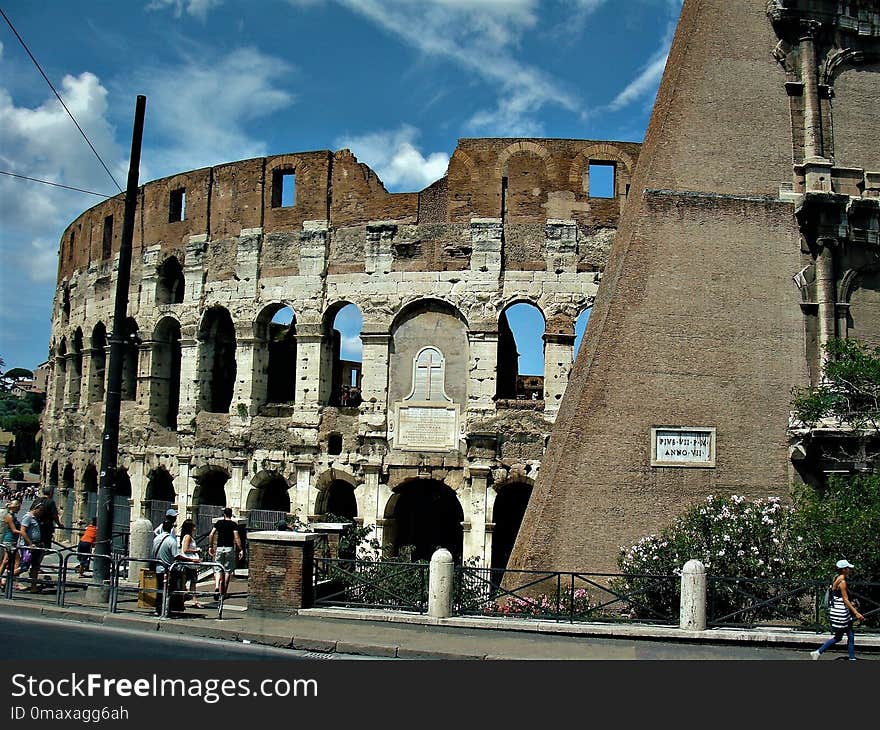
[16, 474]
[840, 521]
[18, 374]
[850, 391]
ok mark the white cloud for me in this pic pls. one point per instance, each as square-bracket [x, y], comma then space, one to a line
[350, 347]
[394, 157]
[200, 112]
[197, 8]
[42, 142]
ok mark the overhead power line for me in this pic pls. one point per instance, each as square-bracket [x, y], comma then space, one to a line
[39, 68]
[57, 185]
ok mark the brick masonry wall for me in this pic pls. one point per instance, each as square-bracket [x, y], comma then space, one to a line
[280, 575]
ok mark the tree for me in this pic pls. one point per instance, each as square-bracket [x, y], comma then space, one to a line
[18, 374]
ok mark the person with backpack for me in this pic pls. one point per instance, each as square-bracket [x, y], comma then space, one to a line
[11, 532]
[842, 611]
[29, 554]
[166, 551]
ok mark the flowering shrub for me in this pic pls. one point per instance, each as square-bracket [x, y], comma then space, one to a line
[576, 604]
[731, 536]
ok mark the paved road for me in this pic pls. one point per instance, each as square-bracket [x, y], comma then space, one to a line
[38, 638]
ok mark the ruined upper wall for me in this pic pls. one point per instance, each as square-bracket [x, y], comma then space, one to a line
[524, 181]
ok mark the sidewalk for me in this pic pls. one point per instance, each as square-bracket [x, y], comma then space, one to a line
[410, 636]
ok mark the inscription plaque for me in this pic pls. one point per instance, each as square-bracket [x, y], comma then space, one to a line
[426, 426]
[683, 446]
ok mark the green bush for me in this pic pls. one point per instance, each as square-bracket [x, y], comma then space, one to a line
[34, 467]
[16, 474]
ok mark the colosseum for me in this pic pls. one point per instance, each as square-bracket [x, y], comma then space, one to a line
[235, 389]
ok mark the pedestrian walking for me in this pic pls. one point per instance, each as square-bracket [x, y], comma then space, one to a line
[842, 611]
[191, 550]
[224, 546]
[11, 532]
[86, 545]
[29, 555]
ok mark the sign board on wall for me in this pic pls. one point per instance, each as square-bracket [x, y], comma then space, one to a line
[683, 446]
[426, 426]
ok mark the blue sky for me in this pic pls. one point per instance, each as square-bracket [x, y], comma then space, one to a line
[396, 81]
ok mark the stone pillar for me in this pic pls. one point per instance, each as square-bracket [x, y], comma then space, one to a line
[309, 339]
[440, 584]
[313, 248]
[247, 262]
[561, 250]
[189, 385]
[302, 507]
[378, 254]
[250, 368]
[140, 545]
[280, 570]
[368, 502]
[476, 512]
[182, 485]
[825, 296]
[384, 496]
[486, 240]
[238, 486]
[137, 479]
[812, 111]
[558, 361]
[374, 378]
[692, 612]
[483, 377]
[193, 267]
[149, 277]
[73, 368]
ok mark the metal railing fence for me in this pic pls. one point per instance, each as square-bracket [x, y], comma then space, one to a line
[371, 584]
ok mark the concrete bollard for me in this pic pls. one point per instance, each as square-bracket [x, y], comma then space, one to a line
[692, 613]
[140, 546]
[440, 581]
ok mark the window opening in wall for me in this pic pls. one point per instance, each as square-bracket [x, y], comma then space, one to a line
[165, 375]
[580, 326]
[70, 247]
[602, 179]
[177, 207]
[107, 240]
[521, 353]
[97, 371]
[281, 371]
[65, 305]
[334, 444]
[283, 189]
[343, 354]
[217, 366]
[170, 282]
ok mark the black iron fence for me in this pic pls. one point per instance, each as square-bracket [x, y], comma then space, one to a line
[559, 596]
[371, 584]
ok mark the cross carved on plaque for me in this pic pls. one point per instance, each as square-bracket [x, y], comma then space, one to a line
[426, 368]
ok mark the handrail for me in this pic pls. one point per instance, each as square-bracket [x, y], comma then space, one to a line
[181, 566]
[11, 578]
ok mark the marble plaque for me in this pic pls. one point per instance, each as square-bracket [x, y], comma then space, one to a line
[683, 446]
[426, 426]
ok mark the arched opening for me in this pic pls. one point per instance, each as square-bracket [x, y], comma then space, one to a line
[53, 475]
[507, 515]
[268, 502]
[217, 367]
[580, 327]
[98, 366]
[280, 338]
[520, 374]
[209, 499]
[170, 282]
[90, 493]
[422, 516]
[337, 499]
[74, 383]
[121, 512]
[165, 375]
[342, 356]
[131, 342]
[60, 375]
[68, 481]
[160, 495]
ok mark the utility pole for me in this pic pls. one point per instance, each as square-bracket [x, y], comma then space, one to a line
[110, 439]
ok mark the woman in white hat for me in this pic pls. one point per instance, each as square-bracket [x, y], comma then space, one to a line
[841, 611]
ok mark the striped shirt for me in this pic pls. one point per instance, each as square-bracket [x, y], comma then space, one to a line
[839, 614]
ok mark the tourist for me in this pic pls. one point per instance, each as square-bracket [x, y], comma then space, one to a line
[166, 552]
[11, 532]
[29, 554]
[86, 545]
[224, 542]
[190, 549]
[842, 611]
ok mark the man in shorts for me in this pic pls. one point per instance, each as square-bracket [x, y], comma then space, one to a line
[225, 545]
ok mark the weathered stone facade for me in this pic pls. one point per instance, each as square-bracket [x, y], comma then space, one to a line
[760, 167]
[221, 407]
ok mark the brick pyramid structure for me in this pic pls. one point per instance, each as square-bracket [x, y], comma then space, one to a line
[702, 324]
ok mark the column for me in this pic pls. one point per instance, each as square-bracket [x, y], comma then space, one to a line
[238, 486]
[558, 360]
[189, 385]
[302, 507]
[825, 296]
[368, 498]
[182, 485]
[475, 511]
[249, 373]
[193, 272]
[483, 376]
[309, 338]
[374, 380]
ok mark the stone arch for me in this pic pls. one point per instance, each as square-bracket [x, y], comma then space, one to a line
[68, 487]
[424, 514]
[336, 494]
[416, 305]
[275, 355]
[507, 514]
[89, 493]
[340, 376]
[164, 391]
[462, 158]
[98, 363]
[170, 282]
[209, 497]
[527, 148]
[159, 495]
[862, 293]
[511, 382]
[268, 501]
[600, 153]
[217, 366]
